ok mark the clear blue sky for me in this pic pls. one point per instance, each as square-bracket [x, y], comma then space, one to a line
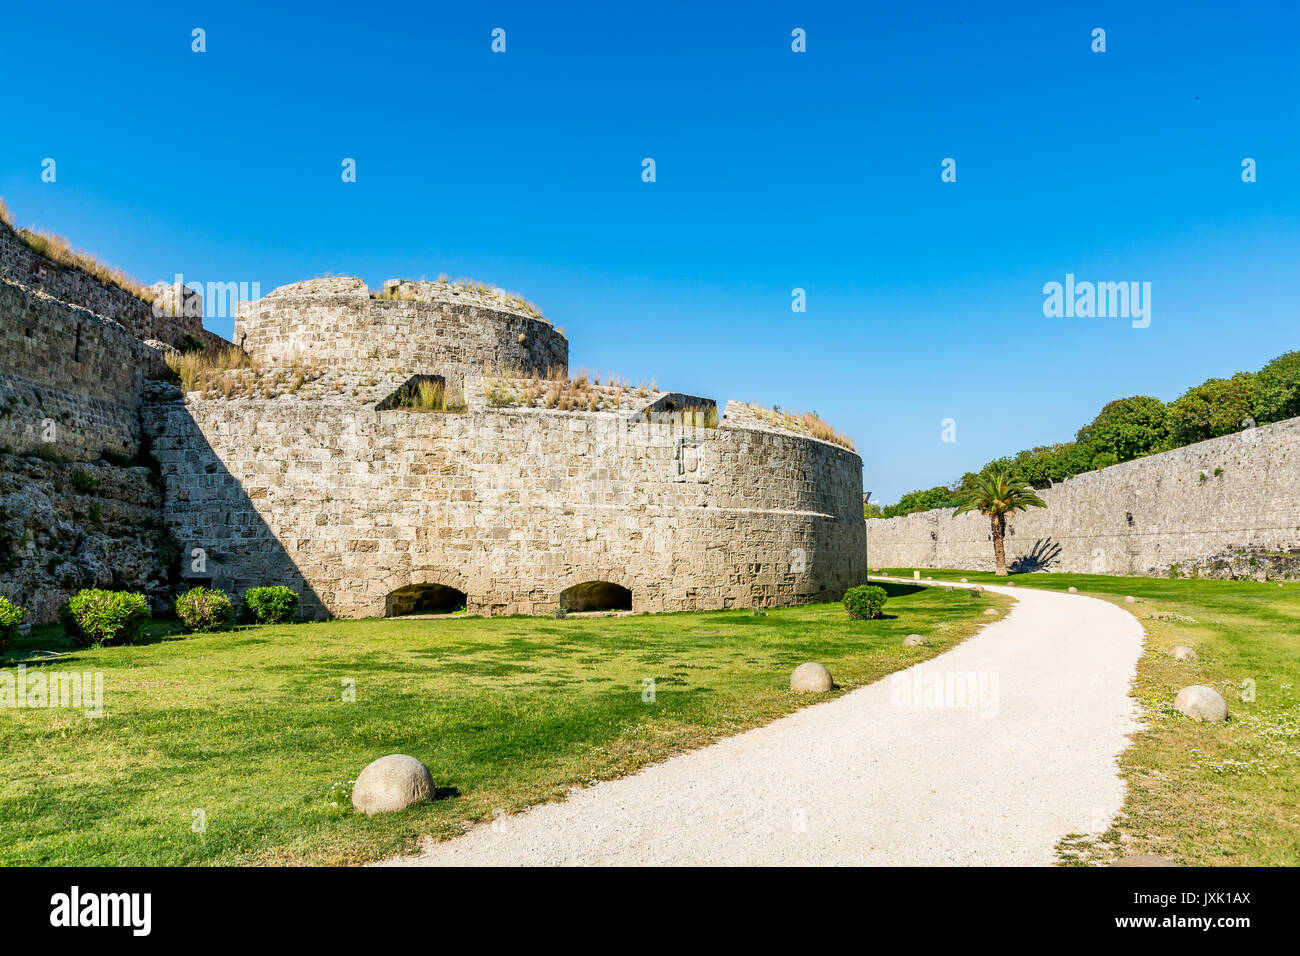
[776, 170]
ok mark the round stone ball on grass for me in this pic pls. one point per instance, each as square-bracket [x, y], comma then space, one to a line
[1201, 703]
[811, 678]
[914, 640]
[392, 783]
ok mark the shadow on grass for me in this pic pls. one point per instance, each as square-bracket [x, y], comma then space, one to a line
[897, 590]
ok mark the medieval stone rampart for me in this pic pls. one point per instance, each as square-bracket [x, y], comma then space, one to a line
[1228, 507]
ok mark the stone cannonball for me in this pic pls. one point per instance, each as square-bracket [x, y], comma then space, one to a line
[811, 677]
[391, 783]
[1201, 703]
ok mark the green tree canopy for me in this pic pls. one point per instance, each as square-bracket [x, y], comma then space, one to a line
[1284, 373]
[1127, 428]
[1221, 405]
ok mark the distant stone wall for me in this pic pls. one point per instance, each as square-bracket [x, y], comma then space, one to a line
[335, 322]
[70, 380]
[19, 264]
[512, 506]
[1229, 507]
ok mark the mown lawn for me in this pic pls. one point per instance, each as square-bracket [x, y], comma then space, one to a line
[1202, 794]
[252, 729]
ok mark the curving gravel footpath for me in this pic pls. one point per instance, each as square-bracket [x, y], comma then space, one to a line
[901, 772]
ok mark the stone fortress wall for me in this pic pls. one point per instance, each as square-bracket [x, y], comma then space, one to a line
[74, 364]
[1228, 507]
[70, 380]
[170, 323]
[516, 507]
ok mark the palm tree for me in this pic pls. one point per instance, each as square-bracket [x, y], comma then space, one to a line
[997, 495]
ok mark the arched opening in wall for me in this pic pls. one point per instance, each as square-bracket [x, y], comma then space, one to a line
[424, 599]
[596, 596]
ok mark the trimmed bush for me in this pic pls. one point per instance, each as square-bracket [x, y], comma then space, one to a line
[11, 616]
[864, 602]
[95, 616]
[271, 605]
[204, 609]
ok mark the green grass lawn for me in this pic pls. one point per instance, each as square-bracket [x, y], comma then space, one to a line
[251, 727]
[1202, 794]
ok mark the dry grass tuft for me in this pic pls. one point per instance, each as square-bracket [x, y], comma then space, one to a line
[805, 423]
[59, 251]
[431, 397]
[553, 389]
[229, 373]
[407, 291]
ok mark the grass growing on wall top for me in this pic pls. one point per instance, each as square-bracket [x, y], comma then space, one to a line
[250, 726]
[59, 251]
[806, 423]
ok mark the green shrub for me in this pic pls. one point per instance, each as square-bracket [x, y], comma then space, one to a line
[95, 616]
[271, 605]
[864, 602]
[204, 609]
[11, 616]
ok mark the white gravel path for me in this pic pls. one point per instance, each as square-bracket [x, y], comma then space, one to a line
[868, 778]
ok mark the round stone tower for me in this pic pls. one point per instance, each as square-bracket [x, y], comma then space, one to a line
[410, 328]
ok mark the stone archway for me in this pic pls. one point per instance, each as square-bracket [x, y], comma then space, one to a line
[596, 596]
[424, 599]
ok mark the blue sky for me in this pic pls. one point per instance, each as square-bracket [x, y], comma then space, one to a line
[775, 170]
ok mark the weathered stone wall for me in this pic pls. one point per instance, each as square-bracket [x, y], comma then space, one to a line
[70, 379]
[21, 265]
[439, 330]
[66, 526]
[510, 505]
[73, 366]
[1229, 507]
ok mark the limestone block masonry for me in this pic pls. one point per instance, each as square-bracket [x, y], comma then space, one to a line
[79, 506]
[70, 379]
[337, 323]
[510, 503]
[1224, 508]
[19, 264]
